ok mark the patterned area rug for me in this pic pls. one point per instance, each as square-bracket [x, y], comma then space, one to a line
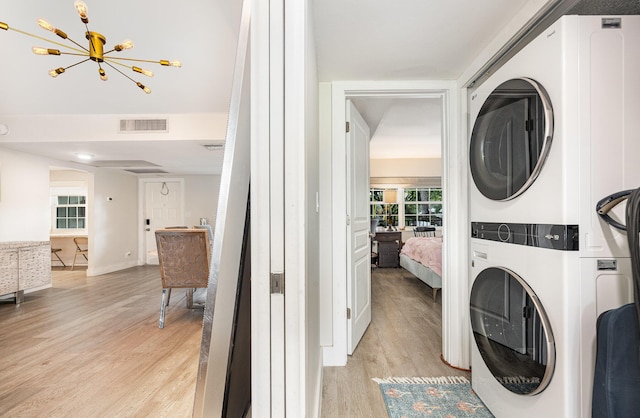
[437, 397]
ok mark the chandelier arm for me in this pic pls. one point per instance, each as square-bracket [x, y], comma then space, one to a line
[109, 64]
[83, 48]
[113, 59]
[49, 40]
[84, 54]
[77, 63]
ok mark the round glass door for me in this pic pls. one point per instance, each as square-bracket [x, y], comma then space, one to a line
[511, 138]
[512, 331]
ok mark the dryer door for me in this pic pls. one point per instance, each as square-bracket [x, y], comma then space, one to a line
[512, 331]
[511, 138]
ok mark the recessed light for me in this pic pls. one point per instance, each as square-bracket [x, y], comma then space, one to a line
[84, 156]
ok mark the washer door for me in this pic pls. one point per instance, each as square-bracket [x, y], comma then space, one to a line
[511, 138]
[512, 331]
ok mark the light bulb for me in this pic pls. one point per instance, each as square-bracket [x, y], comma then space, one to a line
[82, 9]
[148, 73]
[127, 44]
[46, 25]
[44, 51]
[170, 63]
[143, 87]
[56, 72]
[103, 75]
[4, 26]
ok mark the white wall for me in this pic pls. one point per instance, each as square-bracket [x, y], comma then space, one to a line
[313, 229]
[200, 199]
[25, 213]
[405, 167]
[113, 224]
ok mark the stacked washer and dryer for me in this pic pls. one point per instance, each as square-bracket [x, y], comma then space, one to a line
[555, 129]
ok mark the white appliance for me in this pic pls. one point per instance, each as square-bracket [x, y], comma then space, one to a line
[584, 69]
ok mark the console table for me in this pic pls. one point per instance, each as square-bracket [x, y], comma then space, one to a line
[388, 248]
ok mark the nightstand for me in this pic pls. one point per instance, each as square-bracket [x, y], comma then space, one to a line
[388, 248]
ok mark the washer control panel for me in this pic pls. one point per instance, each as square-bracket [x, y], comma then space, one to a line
[552, 236]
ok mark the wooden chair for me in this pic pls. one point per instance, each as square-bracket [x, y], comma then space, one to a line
[55, 252]
[424, 231]
[183, 256]
[82, 248]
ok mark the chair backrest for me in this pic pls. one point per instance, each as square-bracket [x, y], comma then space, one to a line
[424, 231]
[183, 256]
[82, 243]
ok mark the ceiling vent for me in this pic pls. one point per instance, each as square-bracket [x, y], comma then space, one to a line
[143, 125]
[214, 147]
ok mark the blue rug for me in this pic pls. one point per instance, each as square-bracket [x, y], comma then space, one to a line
[437, 397]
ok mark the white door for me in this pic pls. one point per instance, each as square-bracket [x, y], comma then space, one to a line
[162, 208]
[358, 227]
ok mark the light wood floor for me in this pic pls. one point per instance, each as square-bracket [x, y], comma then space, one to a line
[91, 347]
[403, 340]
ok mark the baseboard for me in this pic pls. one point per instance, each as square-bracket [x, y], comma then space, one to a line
[97, 271]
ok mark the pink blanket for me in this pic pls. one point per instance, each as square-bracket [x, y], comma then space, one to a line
[425, 250]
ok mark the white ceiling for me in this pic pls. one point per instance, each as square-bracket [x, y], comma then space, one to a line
[356, 40]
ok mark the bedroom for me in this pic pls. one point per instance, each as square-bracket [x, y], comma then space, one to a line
[406, 190]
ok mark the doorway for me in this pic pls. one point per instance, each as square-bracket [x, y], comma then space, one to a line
[455, 328]
[162, 206]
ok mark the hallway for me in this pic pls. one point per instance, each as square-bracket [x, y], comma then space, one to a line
[403, 340]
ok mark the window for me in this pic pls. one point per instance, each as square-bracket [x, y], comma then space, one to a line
[415, 206]
[423, 206]
[386, 213]
[70, 212]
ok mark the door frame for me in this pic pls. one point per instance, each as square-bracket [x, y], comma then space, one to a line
[455, 327]
[142, 182]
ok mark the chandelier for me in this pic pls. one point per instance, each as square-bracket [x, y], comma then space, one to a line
[95, 51]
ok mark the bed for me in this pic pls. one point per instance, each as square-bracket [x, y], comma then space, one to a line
[422, 257]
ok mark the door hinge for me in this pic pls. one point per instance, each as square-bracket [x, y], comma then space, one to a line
[348, 127]
[348, 313]
[277, 283]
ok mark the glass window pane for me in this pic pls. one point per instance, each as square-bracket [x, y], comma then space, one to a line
[424, 220]
[436, 195]
[410, 209]
[393, 209]
[72, 213]
[61, 212]
[61, 223]
[377, 195]
[63, 200]
[423, 209]
[410, 221]
[436, 220]
[72, 223]
[82, 200]
[80, 222]
[435, 208]
[410, 195]
[81, 211]
[423, 195]
[73, 200]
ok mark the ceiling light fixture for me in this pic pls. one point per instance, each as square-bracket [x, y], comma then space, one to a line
[95, 52]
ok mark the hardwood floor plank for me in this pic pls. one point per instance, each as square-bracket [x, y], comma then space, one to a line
[91, 347]
[403, 340]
